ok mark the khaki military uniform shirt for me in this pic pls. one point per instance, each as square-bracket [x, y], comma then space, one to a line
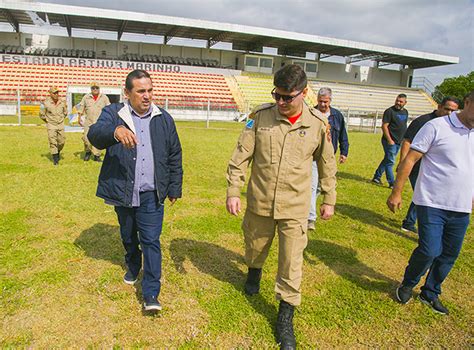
[54, 113]
[281, 156]
[92, 108]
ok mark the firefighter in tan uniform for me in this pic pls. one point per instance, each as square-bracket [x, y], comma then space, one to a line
[281, 141]
[91, 106]
[53, 112]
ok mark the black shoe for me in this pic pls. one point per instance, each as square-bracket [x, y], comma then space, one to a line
[252, 285]
[87, 156]
[129, 278]
[311, 225]
[284, 327]
[376, 181]
[150, 303]
[391, 186]
[407, 228]
[404, 294]
[56, 159]
[97, 159]
[435, 304]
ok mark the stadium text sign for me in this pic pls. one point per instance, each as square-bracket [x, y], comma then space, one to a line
[89, 62]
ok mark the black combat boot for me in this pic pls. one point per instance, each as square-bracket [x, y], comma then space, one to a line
[284, 327]
[56, 159]
[87, 156]
[97, 159]
[252, 285]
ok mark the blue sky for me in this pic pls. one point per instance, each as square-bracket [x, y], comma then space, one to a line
[436, 26]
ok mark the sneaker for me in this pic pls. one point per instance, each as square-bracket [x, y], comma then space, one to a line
[435, 304]
[150, 303]
[406, 228]
[129, 278]
[376, 181]
[311, 225]
[404, 293]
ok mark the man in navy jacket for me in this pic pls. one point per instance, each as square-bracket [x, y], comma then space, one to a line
[338, 138]
[141, 168]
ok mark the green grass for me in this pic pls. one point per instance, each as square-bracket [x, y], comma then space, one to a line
[61, 260]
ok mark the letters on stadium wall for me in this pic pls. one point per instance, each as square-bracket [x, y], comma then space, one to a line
[90, 62]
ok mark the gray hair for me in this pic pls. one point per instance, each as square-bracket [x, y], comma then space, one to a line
[325, 91]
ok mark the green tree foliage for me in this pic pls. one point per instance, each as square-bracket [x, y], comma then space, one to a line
[456, 87]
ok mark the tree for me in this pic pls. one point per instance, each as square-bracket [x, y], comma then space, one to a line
[456, 87]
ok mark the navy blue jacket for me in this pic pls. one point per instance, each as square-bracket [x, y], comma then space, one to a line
[338, 131]
[117, 174]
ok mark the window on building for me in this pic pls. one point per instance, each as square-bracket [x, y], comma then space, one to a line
[266, 62]
[251, 61]
[311, 67]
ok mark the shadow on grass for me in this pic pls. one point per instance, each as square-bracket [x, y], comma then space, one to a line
[369, 217]
[220, 263]
[350, 176]
[102, 241]
[343, 261]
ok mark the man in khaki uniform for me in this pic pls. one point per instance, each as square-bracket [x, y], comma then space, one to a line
[281, 140]
[53, 112]
[91, 106]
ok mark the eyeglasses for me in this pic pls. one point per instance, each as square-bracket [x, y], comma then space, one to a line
[285, 98]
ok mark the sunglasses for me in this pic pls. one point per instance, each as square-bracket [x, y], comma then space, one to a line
[285, 98]
[95, 88]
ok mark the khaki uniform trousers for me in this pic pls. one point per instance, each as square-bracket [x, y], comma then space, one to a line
[259, 232]
[56, 138]
[87, 145]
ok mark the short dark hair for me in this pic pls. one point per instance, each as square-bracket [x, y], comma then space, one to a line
[135, 74]
[290, 78]
[402, 96]
[449, 99]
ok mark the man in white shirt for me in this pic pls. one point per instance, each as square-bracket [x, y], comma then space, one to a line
[445, 146]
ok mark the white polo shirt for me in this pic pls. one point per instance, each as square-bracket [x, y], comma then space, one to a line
[446, 178]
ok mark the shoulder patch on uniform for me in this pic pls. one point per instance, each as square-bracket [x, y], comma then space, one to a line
[249, 124]
[262, 107]
[319, 115]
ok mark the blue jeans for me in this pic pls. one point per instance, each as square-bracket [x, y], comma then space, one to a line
[441, 234]
[410, 218]
[140, 227]
[386, 165]
[315, 191]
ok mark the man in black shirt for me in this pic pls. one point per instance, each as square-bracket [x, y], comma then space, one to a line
[394, 125]
[447, 105]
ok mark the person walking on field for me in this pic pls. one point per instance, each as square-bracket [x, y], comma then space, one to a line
[53, 112]
[280, 141]
[394, 125]
[91, 106]
[446, 106]
[338, 138]
[444, 195]
[142, 167]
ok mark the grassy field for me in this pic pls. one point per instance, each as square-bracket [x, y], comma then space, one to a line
[61, 260]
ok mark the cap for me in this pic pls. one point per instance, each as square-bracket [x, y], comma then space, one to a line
[53, 89]
[94, 84]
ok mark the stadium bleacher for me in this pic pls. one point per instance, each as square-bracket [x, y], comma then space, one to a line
[365, 99]
[176, 90]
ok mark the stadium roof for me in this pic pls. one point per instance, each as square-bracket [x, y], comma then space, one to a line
[245, 38]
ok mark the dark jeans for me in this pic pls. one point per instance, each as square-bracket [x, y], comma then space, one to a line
[142, 226]
[410, 218]
[441, 233]
[386, 165]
